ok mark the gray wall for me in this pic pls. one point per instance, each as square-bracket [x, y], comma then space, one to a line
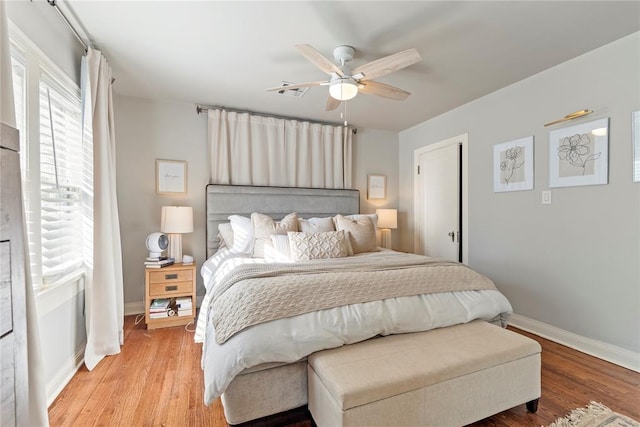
[41, 23]
[376, 152]
[573, 264]
[147, 130]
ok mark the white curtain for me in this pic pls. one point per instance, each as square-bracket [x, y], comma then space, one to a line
[247, 149]
[36, 407]
[104, 301]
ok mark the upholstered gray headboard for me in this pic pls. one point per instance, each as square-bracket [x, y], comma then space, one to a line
[225, 200]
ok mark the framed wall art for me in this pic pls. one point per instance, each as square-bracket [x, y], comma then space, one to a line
[171, 177]
[635, 136]
[579, 154]
[513, 165]
[376, 186]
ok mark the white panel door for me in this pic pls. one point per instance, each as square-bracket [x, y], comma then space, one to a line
[439, 185]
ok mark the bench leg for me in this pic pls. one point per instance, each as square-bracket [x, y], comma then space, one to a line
[532, 406]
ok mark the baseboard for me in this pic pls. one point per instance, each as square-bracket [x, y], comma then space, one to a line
[137, 307]
[134, 308]
[64, 375]
[611, 353]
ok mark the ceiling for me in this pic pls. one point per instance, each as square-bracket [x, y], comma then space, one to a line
[227, 53]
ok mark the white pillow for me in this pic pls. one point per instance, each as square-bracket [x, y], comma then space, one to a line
[242, 234]
[308, 246]
[316, 225]
[362, 233]
[278, 249]
[225, 235]
[264, 226]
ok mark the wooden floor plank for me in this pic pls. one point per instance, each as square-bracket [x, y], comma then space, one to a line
[156, 380]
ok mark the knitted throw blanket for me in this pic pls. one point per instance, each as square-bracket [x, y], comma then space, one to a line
[255, 293]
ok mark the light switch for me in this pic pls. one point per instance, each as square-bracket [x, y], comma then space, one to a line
[546, 197]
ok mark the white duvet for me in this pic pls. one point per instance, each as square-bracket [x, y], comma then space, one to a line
[290, 339]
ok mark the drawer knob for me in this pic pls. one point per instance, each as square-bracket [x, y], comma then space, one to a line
[171, 288]
[170, 276]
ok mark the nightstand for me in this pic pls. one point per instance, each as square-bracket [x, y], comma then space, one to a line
[177, 280]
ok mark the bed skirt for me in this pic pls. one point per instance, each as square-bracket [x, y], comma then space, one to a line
[257, 393]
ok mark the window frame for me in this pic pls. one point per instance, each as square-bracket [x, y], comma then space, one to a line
[38, 68]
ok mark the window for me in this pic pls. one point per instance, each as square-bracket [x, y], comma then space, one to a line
[56, 164]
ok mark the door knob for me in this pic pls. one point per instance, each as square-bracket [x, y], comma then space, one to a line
[452, 234]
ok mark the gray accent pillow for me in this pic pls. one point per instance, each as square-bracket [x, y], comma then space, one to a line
[362, 232]
[316, 225]
[264, 226]
[225, 235]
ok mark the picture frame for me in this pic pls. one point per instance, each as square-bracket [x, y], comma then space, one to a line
[635, 137]
[376, 186]
[171, 177]
[513, 165]
[579, 154]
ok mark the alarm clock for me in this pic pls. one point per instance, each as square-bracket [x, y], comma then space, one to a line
[156, 243]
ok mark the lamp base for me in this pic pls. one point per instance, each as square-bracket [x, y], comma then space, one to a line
[175, 247]
[385, 238]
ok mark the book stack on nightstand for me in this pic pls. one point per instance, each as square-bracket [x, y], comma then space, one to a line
[159, 262]
[184, 306]
[170, 295]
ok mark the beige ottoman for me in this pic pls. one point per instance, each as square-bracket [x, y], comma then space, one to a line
[445, 377]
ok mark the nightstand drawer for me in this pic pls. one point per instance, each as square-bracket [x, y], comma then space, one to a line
[161, 289]
[170, 276]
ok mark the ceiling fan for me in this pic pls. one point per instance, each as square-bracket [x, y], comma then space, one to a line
[344, 83]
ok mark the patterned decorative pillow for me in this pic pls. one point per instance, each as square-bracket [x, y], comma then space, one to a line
[362, 232]
[316, 225]
[264, 226]
[308, 246]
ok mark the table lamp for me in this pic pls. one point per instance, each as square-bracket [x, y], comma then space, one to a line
[175, 221]
[387, 219]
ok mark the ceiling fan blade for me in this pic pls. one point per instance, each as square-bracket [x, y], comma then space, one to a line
[332, 103]
[384, 90]
[318, 59]
[295, 86]
[388, 64]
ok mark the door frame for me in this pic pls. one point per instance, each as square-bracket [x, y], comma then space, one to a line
[418, 202]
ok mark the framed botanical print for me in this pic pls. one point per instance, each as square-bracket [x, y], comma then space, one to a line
[579, 154]
[513, 165]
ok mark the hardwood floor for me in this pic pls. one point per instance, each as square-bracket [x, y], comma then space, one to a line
[156, 380]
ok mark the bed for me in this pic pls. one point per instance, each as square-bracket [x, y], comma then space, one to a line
[254, 351]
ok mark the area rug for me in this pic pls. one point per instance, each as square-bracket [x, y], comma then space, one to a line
[594, 415]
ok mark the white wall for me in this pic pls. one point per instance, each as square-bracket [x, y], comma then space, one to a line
[147, 130]
[574, 264]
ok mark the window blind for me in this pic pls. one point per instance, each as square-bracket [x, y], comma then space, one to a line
[61, 167]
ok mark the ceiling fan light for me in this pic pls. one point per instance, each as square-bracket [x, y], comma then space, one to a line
[343, 89]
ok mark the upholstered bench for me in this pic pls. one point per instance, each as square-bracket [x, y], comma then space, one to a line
[445, 377]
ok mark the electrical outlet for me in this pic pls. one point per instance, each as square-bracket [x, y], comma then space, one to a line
[546, 197]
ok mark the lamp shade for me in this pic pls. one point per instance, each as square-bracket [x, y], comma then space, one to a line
[343, 89]
[387, 218]
[177, 219]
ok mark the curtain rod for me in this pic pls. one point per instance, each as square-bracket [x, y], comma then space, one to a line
[66, 21]
[201, 108]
